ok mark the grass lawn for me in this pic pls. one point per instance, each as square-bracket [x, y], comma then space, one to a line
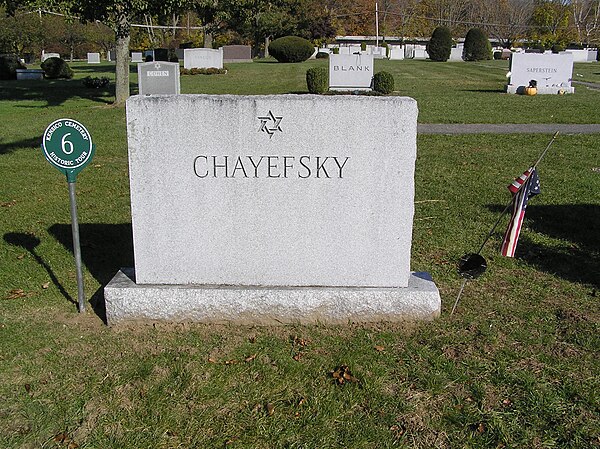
[516, 366]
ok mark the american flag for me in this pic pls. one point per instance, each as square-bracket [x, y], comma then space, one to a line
[524, 187]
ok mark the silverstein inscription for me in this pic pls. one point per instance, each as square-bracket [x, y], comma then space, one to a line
[212, 166]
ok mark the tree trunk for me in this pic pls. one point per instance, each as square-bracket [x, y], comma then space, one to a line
[123, 35]
[267, 42]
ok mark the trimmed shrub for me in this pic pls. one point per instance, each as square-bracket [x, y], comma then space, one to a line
[557, 48]
[322, 55]
[363, 46]
[440, 44]
[317, 80]
[497, 55]
[8, 67]
[291, 49]
[477, 46]
[383, 82]
[336, 50]
[95, 83]
[56, 68]
[598, 54]
[149, 58]
[208, 71]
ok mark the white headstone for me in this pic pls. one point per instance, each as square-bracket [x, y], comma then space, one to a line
[396, 52]
[344, 51]
[158, 77]
[257, 216]
[350, 72]
[93, 58]
[137, 57]
[456, 53]
[202, 58]
[553, 72]
[49, 55]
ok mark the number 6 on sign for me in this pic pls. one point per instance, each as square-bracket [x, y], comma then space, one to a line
[64, 143]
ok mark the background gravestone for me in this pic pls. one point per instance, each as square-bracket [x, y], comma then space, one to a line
[158, 77]
[93, 58]
[237, 53]
[553, 72]
[161, 54]
[350, 72]
[137, 57]
[202, 58]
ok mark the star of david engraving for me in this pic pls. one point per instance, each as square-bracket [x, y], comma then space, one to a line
[157, 65]
[265, 121]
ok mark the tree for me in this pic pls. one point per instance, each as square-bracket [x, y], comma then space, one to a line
[508, 20]
[440, 44]
[477, 46]
[586, 17]
[551, 20]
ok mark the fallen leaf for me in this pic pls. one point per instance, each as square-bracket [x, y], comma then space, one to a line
[61, 437]
[27, 387]
[379, 348]
[302, 401]
[46, 285]
[21, 256]
[252, 339]
[297, 357]
[342, 374]
[507, 402]
[300, 341]
[481, 428]
[270, 409]
[16, 293]
[8, 203]
[72, 445]
[230, 362]
[250, 358]
[211, 360]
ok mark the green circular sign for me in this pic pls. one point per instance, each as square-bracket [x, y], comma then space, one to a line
[68, 146]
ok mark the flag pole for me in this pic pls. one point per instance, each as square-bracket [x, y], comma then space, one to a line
[535, 164]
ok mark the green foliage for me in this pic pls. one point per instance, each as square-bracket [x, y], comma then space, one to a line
[440, 44]
[322, 55]
[291, 49]
[363, 46]
[317, 80]
[56, 68]
[477, 46]
[383, 82]
[557, 48]
[8, 67]
[95, 83]
[336, 50]
[208, 71]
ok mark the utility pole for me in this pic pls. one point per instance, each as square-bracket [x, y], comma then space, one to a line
[376, 24]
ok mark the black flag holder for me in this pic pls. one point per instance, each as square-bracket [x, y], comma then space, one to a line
[471, 266]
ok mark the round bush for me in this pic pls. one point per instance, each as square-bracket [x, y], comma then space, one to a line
[440, 44]
[477, 46]
[291, 49]
[317, 80]
[383, 82]
[336, 50]
[8, 67]
[322, 55]
[56, 68]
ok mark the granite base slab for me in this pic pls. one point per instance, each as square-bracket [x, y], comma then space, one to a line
[127, 301]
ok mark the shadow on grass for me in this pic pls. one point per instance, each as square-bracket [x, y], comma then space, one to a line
[105, 248]
[485, 91]
[52, 92]
[578, 225]
[6, 148]
[30, 242]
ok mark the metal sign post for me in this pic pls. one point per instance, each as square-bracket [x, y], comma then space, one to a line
[68, 146]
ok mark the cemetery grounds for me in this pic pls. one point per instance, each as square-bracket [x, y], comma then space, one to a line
[515, 366]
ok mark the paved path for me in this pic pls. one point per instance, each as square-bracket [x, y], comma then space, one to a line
[509, 128]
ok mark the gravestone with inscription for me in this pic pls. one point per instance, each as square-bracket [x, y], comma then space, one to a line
[245, 209]
[158, 77]
[350, 72]
[93, 58]
[553, 72]
[202, 58]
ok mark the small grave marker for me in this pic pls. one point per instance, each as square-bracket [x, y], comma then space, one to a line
[158, 77]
